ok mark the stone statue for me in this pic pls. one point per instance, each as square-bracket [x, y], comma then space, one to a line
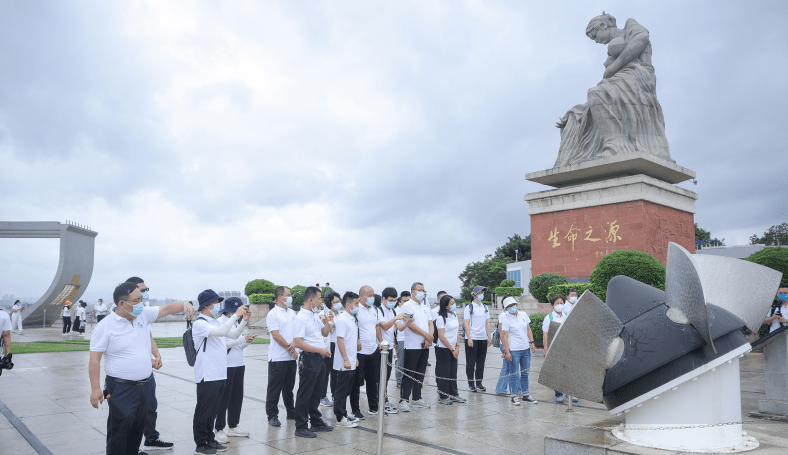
[622, 114]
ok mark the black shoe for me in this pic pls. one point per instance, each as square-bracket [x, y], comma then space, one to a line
[274, 422]
[143, 453]
[216, 446]
[358, 415]
[473, 388]
[290, 416]
[158, 444]
[322, 427]
[429, 364]
[204, 449]
[305, 433]
[481, 388]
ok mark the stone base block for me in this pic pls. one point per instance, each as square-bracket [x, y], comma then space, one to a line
[773, 407]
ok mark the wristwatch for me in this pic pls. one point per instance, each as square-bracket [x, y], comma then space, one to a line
[532, 342]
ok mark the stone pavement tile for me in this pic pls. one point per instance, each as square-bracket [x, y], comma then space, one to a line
[36, 408]
[345, 436]
[14, 443]
[335, 450]
[69, 434]
[295, 445]
[390, 445]
[53, 421]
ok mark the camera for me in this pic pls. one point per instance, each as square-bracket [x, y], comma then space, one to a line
[408, 316]
[5, 363]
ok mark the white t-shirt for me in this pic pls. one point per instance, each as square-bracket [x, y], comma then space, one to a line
[568, 307]
[434, 312]
[66, 313]
[348, 330]
[388, 335]
[282, 320]
[450, 327]
[308, 326]
[368, 320]
[81, 313]
[775, 324]
[421, 317]
[100, 309]
[16, 307]
[126, 346]
[5, 323]
[517, 326]
[235, 358]
[333, 317]
[211, 364]
[556, 317]
[477, 322]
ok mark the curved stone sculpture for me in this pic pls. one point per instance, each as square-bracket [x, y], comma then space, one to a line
[74, 270]
[622, 114]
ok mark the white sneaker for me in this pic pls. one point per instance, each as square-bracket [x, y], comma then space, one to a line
[237, 432]
[420, 404]
[404, 406]
[344, 423]
[221, 437]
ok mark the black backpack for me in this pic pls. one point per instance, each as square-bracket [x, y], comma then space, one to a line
[188, 345]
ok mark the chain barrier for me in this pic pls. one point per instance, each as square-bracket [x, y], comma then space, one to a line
[591, 427]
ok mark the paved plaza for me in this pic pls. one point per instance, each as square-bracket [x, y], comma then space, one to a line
[46, 409]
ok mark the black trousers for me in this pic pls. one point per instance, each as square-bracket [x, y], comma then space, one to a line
[388, 370]
[328, 374]
[446, 367]
[232, 400]
[78, 325]
[368, 371]
[100, 317]
[343, 388]
[209, 396]
[474, 362]
[128, 405]
[416, 360]
[66, 324]
[150, 419]
[281, 380]
[308, 396]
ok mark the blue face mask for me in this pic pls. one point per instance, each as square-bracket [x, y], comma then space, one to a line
[337, 307]
[512, 309]
[783, 297]
[391, 305]
[480, 297]
[453, 308]
[354, 311]
[289, 302]
[216, 310]
[137, 309]
[145, 296]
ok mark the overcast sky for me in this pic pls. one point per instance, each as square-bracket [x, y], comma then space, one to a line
[211, 143]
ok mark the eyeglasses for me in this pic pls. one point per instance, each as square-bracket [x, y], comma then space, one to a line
[145, 290]
[135, 301]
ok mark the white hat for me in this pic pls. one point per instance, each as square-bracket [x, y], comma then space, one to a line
[509, 301]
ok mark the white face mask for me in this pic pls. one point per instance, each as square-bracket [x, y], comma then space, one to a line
[559, 308]
[572, 300]
[420, 296]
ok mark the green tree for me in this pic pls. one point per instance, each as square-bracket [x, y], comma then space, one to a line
[774, 258]
[775, 235]
[259, 287]
[703, 236]
[515, 244]
[489, 272]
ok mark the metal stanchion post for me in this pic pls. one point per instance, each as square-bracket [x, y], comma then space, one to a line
[384, 357]
[44, 322]
[569, 404]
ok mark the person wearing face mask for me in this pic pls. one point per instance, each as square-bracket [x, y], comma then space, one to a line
[571, 300]
[308, 337]
[400, 337]
[476, 321]
[418, 334]
[281, 356]
[123, 341]
[152, 436]
[518, 345]
[99, 311]
[447, 350]
[386, 305]
[370, 336]
[210, 367]
[558, 315]
[345, 361]
[333, 305]
[232, 399]
[66, 318]
[16, 316]
[776, 317]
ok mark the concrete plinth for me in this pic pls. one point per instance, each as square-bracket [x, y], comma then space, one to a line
[776, 377]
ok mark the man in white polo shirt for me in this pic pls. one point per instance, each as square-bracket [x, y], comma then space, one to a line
[123, 340]
[99, 311]
[308, 337]
[369, 355]
[281, 356]
[5, 329]
[345, 361]
[418, 339]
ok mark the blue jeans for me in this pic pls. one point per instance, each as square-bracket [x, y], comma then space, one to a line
[503, 380]
[521, 360]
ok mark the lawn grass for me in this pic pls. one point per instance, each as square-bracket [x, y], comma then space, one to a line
[34, 347]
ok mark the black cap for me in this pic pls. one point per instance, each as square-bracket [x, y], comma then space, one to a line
[207, 297]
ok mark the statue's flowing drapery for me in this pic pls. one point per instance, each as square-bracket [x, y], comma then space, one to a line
[622, 114]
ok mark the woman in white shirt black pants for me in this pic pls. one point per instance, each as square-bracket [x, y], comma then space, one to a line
[447, 350]
[476, 319]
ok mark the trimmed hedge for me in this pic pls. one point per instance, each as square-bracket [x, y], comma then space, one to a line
[536, 328]
[564, 289]
[775, 258]
[298, 295]
[502, 291]
[539, 285]
[634, 264]
[259, 287]
[259, 299]
[507, 284]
